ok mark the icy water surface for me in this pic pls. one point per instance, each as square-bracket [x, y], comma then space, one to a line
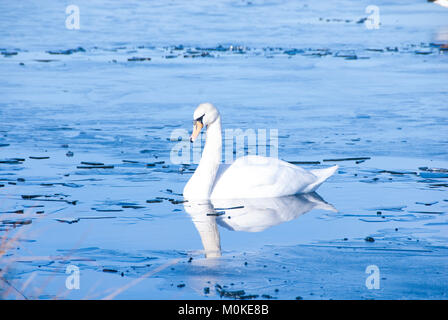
[87, 116]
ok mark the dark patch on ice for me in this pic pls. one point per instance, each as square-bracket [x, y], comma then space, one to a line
[293, 52]
[348, 55]
[45, 60]
[96, 167]
[68, 220]
[234, 294]
[10, 161]
[433, 175]
[15, 223]
[107, 210]
[139, 59]
[67, 51]
[426, 52]
[362, 20]
[304, 162]
[427, 212]
[219, 213]
[174, 201]
[230, 208]
[97, 217]
[398, 209]
[397, 172]
[346, 159]
[92, 163]
[38, 198]
[31, 196]
[154, 200]
[20, 211]
[132, 207]
[437, 185]
[436, 224]
[427, 203]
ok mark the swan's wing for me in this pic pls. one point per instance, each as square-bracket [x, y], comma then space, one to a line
[256, 177]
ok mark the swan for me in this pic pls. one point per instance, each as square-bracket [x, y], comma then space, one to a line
[250, 176]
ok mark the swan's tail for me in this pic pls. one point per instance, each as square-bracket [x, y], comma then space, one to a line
[322, 175]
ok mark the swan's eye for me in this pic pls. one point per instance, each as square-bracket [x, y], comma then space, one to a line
[198, 119]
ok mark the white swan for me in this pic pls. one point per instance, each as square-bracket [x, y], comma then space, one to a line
[249, 176]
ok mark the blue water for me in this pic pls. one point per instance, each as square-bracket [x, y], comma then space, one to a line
[330, 86]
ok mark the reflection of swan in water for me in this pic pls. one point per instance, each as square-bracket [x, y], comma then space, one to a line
[250, 215]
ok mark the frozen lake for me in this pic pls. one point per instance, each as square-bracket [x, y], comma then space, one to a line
[113, 92]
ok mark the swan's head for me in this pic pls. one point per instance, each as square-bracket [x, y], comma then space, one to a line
[204, 115]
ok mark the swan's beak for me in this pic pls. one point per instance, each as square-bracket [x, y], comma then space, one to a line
[196, 130]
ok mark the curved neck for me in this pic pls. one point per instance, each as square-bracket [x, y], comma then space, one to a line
[204, 176]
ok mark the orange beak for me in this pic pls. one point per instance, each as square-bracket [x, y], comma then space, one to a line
[196, 130]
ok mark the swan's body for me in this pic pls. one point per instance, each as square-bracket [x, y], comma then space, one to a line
[247, 177]
[262, 177]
